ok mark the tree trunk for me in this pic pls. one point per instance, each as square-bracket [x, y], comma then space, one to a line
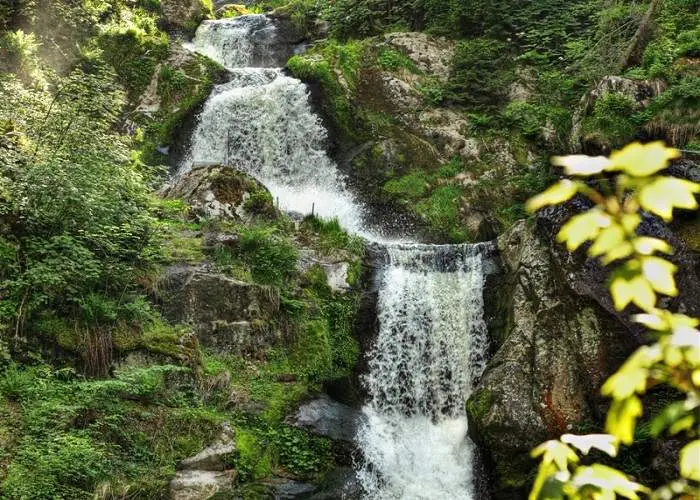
[635, 49]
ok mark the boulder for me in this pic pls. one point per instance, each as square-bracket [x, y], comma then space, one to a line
[221, 192]
[336, 269]
[226, 314]
[431, 55]
[207, 473]
[556, 337]
[640, 92]
[328, 418]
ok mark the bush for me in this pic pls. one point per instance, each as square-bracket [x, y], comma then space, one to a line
[66, 463]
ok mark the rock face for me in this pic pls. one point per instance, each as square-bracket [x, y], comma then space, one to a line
[222, 192]
[432, 55]
[557, 338]
[552, 351]
[226, 314]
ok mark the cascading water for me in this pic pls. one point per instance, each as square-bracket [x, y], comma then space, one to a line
[432, 338]
[261, 122]
[430, 349]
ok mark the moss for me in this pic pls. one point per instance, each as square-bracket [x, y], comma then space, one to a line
[479, 404]
[410, 187]
[126, 338]
[253, 461]
[182, 247]
[172, 341]
[60, 331]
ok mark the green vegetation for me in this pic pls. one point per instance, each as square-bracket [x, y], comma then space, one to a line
[72, 435]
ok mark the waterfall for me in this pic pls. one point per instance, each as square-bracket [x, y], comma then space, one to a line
[430, 349]
[261, 122]
[432, 338]
[239, 42]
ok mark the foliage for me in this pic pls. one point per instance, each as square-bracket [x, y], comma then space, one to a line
[482, 72]
[20, 53]
[641, 275]
[74, 434]
[134, 46]
[75, 205]
[612, 119]
[271, 258]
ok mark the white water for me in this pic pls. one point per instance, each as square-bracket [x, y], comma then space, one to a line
[432, 339]
[430, 349]
[238, 42]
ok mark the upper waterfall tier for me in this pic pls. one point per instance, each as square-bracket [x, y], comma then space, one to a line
[261, 122]
[245, 41]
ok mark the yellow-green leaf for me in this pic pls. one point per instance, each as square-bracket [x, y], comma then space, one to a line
[664, 194]
[681, 425]
[606, 479]
[622, 418]
[609, 238]
[690, 461]
[642, 160]
[581, 164]
[545, 475]
[631, 222]
[632, 289]
[555, 452]
[619, 252]
[627, 381]
[662, 320]
[553, 195]
[659, 273]
[603, 442]
[582, 228]
[647, 246]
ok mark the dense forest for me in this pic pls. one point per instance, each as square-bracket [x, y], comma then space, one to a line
[146, 314]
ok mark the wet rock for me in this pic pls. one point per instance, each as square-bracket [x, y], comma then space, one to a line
[225, 314]
[222, 192]
[339, 483]
[327, 418]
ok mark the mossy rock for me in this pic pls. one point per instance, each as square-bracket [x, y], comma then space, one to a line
[224, 193]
